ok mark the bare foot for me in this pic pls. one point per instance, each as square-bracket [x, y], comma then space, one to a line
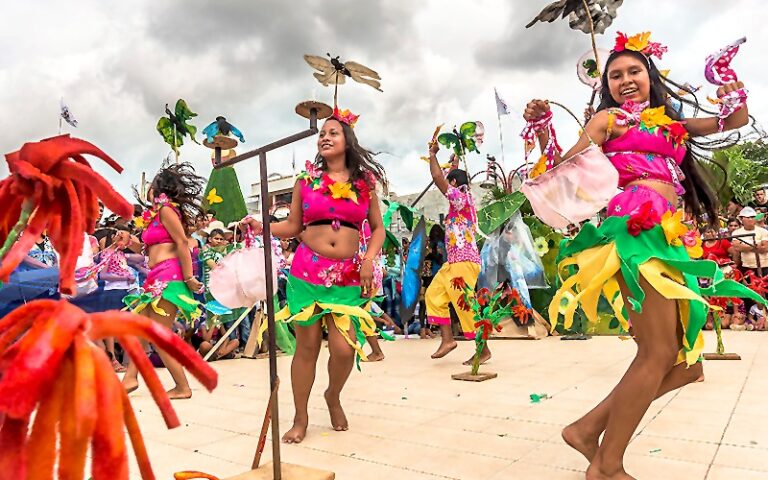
[444, 349]
[338, 419]
[581, 441]
[130, 385]
[376, 357]
[700, 379]
[179, 393]
[422, 334]
[297, 433]
[594, 473]
[484, 357]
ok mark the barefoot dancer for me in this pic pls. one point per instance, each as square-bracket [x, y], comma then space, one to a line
[329, 284]
[170, 282]
[463, 258]
[638, 250]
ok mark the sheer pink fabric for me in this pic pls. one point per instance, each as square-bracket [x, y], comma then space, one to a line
[574, 190]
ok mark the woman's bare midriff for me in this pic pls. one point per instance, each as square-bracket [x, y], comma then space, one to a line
[330, 243]
[160, 253]
[664, 189]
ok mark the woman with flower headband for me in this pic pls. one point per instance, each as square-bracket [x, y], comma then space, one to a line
[170, 283]
[330, 284]
[639, 256]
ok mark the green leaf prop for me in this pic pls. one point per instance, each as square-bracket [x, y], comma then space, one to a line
[492, 216]
[178, 119]
[406, 213]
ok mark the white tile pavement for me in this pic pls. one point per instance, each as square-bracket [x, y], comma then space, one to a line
[409, 420]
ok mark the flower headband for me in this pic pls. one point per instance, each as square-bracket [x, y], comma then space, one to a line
[345, 116]
[639, 43]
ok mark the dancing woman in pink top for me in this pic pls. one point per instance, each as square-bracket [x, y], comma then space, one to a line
[331, 278]
[174, 194]
[639, 258]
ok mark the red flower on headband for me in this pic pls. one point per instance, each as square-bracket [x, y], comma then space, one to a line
[643, 218]
[345, 116]
[621, 42]
[639, 43]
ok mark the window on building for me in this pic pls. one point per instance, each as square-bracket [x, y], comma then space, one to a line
[283, 198]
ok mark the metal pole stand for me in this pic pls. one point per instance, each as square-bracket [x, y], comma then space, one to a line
[277, 470]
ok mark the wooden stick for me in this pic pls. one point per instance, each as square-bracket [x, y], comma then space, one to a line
[226, 335]
[265, 427]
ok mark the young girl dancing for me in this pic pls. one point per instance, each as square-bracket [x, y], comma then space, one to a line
[640, 249]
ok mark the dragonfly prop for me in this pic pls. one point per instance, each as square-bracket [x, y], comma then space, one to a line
[332, 71]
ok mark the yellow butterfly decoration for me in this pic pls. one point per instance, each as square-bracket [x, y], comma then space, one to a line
[213, 198]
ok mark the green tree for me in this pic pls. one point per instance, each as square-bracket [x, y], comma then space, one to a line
[223, 196]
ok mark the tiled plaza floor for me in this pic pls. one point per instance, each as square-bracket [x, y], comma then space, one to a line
[409, 420]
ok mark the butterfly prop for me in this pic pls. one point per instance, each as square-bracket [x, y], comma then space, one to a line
[466, 139]
[221, 127]
[417, 250]
[718, 71]
[174, 127]
[331, 70]
[213, 197]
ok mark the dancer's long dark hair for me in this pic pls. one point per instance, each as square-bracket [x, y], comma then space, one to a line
[699, 198]
[183, 186]
[358, 159]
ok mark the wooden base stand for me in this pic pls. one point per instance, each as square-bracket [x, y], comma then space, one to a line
[290, 472]
[723, 356]
[468, 377]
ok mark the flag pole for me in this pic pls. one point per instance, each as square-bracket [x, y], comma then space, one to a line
[501, 140]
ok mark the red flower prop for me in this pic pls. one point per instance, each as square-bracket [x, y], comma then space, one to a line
[483, 296]
[643, 218]
[51, 368]
[522, 313]
[52, 187]
[458, 283]
[463, 304]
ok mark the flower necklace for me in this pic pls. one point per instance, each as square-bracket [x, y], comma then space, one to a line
[158, 203]
[321, 182]
[652, 120]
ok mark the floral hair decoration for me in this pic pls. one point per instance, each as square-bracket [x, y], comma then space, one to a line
[639, 43]
[345, 116]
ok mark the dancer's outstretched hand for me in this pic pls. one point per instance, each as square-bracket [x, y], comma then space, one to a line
[535, 109]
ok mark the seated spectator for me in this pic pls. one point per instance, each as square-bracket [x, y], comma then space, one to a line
[205, 339]
[756, 318]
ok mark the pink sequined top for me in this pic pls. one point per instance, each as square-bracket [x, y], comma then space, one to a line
[324, 199]
[643, 154]
[155, 232]
[460, 226]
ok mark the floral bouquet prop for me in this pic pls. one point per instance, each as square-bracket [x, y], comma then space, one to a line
[490, 308]
[59, 395]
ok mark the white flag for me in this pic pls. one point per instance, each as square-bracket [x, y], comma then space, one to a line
[501, 105]
[67, 115]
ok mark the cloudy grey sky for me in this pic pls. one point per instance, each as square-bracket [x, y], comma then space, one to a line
[118, 63]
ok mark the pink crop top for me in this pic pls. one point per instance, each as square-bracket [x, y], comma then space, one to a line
[324, 199]
[647, 154]
[155, 232]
